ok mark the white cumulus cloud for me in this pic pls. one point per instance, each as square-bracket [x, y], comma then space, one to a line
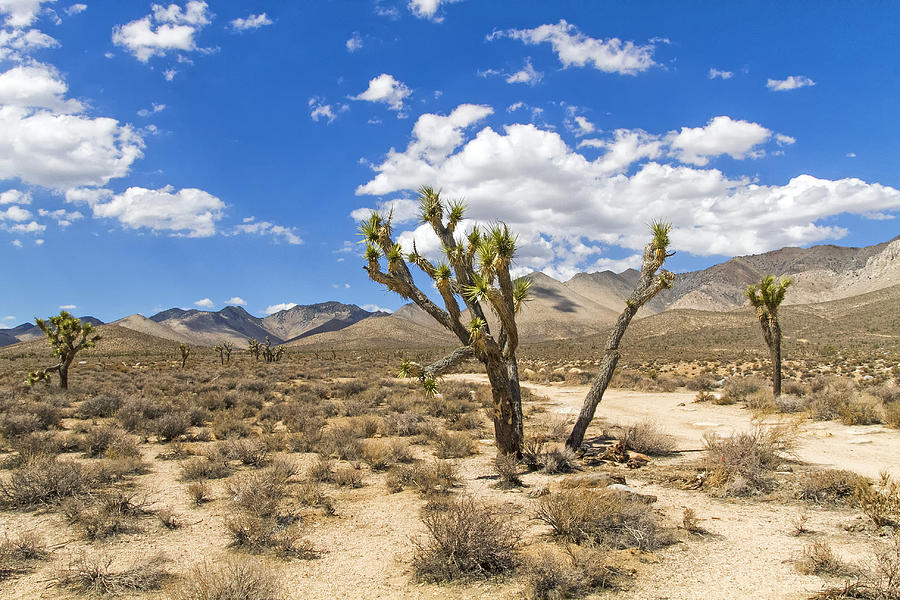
[167, 28]
[428, 9]
[251, 22]
[36, 86]
[21, 13]
[254, 227]
[354, 43]
[791, 83]
[205, 303]
[570, 210]
[716, 73]
[189, 211]
[75, 9]
[722, 135]
[574, 48]
[279, 307]
[17, 44]
[385, 89]
[236, 301]
[15, 197]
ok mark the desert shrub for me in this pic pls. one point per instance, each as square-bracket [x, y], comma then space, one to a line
[892, 414]
[16, 424]
[171, 425]
[203, 467]
[321, 470]
[553, 574]
[860, 409]
[310, 494]
[835, 486]
[231, 579]
[35, 445]
[343, 440]
[645, 437]
[451, 444]
[507, 468]
[818, 558]
[97, 440]
[737, 389]
[260, 492]
[789, 403]
[434, 478]
[466, 538]
[381, 454]
[743, 462]
[136, 412]
[760, 400]
[94, 575]
[558, 460]
[19, 554]
[45, 481]
[252, 452]
[105, 514]
[828, 397]
[881, 502]
[230, 423]
[199, 492]
[533, 448]
[701, 383]
[99, 406]
[404, 424]
[792, 387]
[347, 477]
[605, 517]
[257, 534]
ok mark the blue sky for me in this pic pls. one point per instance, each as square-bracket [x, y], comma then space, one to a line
[201, 153]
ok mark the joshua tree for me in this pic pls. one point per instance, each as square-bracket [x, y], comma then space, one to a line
[68, 336]
[185, 352]
[766, 298]
[652, 281]
[224, 352]
[270, 355]
[476, 269]
[253, 348]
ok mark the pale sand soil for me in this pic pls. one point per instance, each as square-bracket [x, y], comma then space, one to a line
[367, 545]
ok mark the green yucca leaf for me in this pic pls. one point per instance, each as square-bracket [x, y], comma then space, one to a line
[456, 212]
[521, 288]
[431, 387]
[372, 253]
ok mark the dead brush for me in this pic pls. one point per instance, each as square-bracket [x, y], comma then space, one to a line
[553, 574]
[831, 486]
[199, 492]
[260, 492]
[311, 494]
[381, 454]
[452, 444]
[881, 502]
[106, 514]
[818, 558]
[232, 579]
[507, 468]
[348, 477]
[604, 517]
[251, 452]
[429, 479]
[94, 575]
[647, 438]
[558, 460]
[743, 462]
[19, 554]
[259, 534]
[46, 480]
[465, 538]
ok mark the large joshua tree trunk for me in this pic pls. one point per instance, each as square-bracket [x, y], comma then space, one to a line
[649, 285]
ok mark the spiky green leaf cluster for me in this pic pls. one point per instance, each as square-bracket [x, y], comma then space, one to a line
[768, 295]
[521, 288]
[430, 385]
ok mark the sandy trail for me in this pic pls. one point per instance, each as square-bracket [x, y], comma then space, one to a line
[864, 449]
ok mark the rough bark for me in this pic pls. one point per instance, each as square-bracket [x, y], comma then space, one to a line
[649, 285]
[775, 352]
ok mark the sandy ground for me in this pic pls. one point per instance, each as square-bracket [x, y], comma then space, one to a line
[367, 545]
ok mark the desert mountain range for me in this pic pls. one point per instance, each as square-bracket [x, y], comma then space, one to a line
[584, 305]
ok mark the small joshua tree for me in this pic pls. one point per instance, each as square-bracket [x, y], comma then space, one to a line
[185, 352]
[68, 336]
[253, 348]
[224, 352]
[766, 298]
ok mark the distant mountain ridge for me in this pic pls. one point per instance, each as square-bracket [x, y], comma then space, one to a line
[583, 305]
